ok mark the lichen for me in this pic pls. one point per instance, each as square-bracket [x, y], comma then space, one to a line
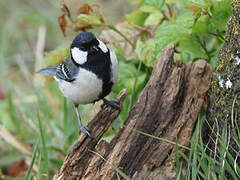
[220, 81]
[237, 60]
[226, 82]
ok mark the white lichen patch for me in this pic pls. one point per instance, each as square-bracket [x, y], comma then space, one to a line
[228, 84]
[237, 60]
[220, 81]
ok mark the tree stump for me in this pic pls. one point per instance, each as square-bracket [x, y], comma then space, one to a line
[168, 107]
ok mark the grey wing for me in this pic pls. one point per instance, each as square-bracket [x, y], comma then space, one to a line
[50, 70]
[67, 71]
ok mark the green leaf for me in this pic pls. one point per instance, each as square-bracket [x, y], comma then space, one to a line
[215, 57]
[135, 1]
[221, 11]
[149, 9]
[197, 16]
[191, 46]
[56, 56]
[127, 76]
[201, 25]
[85, 20]
[153, 19]
[137, 17]
[200, 3]
[172, 32]
[155, 3]
[144, 51]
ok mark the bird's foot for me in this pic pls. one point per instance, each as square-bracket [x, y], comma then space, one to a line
[85, 130]
[113, 104]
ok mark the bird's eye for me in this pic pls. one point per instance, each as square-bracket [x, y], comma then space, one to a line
[83, 48]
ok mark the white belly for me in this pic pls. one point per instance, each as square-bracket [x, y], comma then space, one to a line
[85, 89]
[114, 62]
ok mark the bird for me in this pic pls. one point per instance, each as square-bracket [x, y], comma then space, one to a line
[87, 75]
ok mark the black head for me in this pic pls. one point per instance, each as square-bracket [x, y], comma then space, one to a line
[84, 41]
[85, 46]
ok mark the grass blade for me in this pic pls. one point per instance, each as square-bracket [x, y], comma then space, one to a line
[44, 152]
[28, 177]
[13, 113]
[164, 140]
[121, 173]
[113, 167]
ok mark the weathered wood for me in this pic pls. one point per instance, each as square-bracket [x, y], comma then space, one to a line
[78, 158]
[168, 107]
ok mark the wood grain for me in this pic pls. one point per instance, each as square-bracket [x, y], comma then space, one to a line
[168, 107]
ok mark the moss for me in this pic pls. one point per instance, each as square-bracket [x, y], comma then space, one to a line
[221, 99]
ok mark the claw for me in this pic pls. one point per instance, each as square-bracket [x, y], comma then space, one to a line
[103, 105]
[113, 104]
[85, 130]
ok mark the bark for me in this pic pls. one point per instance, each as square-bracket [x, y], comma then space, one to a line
[168, 107]
[224, 99]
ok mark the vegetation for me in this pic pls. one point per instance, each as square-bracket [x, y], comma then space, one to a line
[38, 124]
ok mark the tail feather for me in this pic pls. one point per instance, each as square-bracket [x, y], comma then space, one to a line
[50, 70]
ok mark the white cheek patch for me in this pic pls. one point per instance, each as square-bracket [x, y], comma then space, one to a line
[102, 46]
[79, 56]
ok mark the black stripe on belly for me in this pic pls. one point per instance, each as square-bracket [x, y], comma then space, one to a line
[107, 88]
[100, 64]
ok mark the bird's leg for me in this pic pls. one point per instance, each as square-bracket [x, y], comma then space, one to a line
[113, 104]
[81, 128]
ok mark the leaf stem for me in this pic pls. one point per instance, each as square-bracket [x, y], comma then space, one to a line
[164, 16]
[119, 32]
[203, 45]
[169, 10]
[219, 35]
